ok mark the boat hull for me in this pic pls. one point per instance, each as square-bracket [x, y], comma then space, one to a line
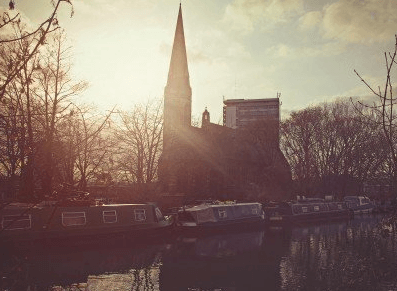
[80, 224]
[360, 204]
[220, 218]
[290, 213]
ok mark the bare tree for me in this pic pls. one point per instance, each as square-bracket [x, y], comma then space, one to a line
[54, 93]
[18, 126]
[384, 107]
[92, 146]
[139, 137]
[297, 142]
[331, 149]
[37, 36]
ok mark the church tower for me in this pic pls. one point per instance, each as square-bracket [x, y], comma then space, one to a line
[177, 93]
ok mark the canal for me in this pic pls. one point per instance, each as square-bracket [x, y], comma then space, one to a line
[346, 255]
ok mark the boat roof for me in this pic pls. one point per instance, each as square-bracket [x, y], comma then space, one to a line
[206, 206]
[360, 196]
[126, 204]
[20, 205]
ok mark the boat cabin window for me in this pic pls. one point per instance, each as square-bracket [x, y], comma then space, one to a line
[222, 213]
[254, 210]
[159, 215]
[316, 208]
[14, 222]
[140, 214]
[245, 210]
[305, 209]
[109, 216]
[364, 200]
[333, 206]
[297, 209]
[73, 218]
[352, 199]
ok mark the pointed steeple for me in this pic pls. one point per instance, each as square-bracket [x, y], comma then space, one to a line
[178, 74]
[177, 92]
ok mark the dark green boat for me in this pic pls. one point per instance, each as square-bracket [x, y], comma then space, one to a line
[80, 220]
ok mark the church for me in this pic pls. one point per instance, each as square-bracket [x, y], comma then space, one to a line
[217, 161]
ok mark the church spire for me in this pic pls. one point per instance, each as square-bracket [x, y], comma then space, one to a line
[177, 92]
[178, 74]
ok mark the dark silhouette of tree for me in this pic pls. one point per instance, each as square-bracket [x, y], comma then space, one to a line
[139, 142]
[37, 39]
[53, 95]
[92, 147]
[383, 109]
[17, 112]
[331, 148]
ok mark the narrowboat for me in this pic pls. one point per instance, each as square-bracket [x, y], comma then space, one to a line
[75, 221]
[359, 204]
[306, 210]
[219, 216]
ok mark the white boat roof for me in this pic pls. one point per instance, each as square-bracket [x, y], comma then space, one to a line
[206, 206]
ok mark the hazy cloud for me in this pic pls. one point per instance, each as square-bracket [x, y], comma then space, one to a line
[244, 15]
[310, 20]
[324, 50]
[355, 21]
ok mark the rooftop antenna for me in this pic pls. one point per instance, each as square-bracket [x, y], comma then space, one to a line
[278, 97]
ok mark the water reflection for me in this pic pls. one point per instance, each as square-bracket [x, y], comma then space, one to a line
[238, 261]
[345, 256]
[337, 256]
[83, 268]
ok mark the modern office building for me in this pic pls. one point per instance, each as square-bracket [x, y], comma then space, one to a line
[239, 113]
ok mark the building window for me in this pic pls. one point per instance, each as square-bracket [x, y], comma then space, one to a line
[14, 222]
[109, 216]
[73, 218]
[222, 213]
[140, 214]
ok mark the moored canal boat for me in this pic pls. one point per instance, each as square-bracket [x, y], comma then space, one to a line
[359, 204]
[219, 216]
[306, 210]
[77, 221]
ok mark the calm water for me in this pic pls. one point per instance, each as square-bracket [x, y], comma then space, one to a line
[339, 256]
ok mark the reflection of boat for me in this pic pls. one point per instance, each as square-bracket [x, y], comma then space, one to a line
[245, 260]
[227, 245]
[306, 210]
[208, 216]
[321, 229]
[60, 221]
[98, 268]
[359, 204]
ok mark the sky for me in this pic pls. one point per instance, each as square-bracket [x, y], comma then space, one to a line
[306, 50]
